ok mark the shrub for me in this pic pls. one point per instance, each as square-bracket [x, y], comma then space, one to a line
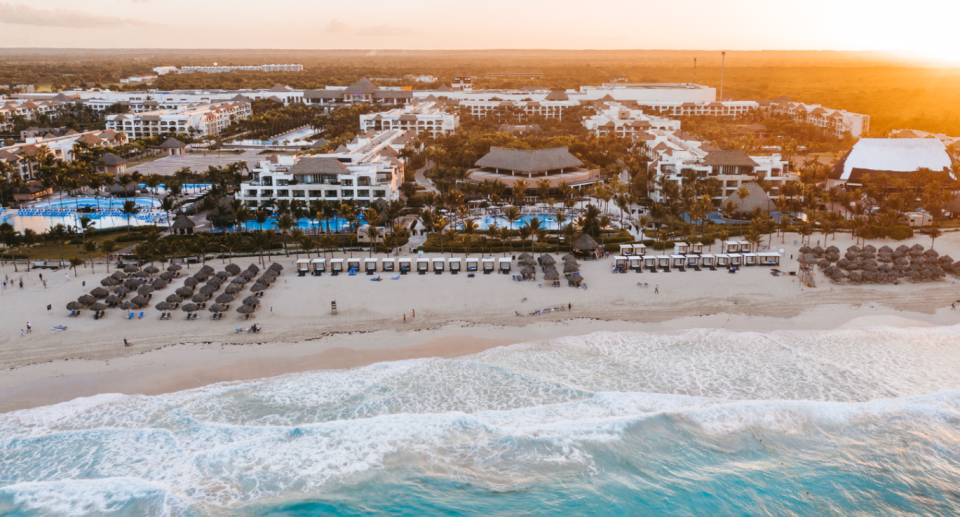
[900, 232]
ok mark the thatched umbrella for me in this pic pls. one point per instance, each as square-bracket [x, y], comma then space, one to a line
[253, 268]
[903, 248]
[233, 289]
[823, 264]
[248, 275]
[246, 309]
[200, 276]
[190, 308]
[807, 258]
[120, 291]
[159, 284]
[151, 270]
[167, 276]
[528, 271]
[833, 249]
[524, 255]
[266, 279]
[856, 276]
[217, 308]
[256, 288]
[174, 267]
[76, 306]
[222, 275]
[570, 267]
[127, 306]
[931, 253]
[885, 249]
[164, 306]
[232, 269]
[100, 293]
[527, 262]
[118, 275]
[112, 300]
[98, 307]
[190, 281]
[551, 275]
[225, 298]
[131, 284]
[215, 282]
[185, 292]
[173, 298]
[568, 256]
[87, 300]
[240, 280]
[200, 298]
[130, 268]
[144, 290]
[869, 248]
[140, 301]
[276, 267]
[854, 249]
[251, 300]
[585, 243]
[805, 249]
[208, 290]
[547, 260]
[109, 282]
[575, 278]
[207, 269]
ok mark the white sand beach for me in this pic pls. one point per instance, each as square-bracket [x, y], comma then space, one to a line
[455, 315]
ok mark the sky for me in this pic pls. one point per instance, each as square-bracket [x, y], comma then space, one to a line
[925, 26]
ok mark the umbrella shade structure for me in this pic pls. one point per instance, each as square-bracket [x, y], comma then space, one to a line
[570, 267]
[547, 260]
[98, 307]
[256, 288]
[524, 255]
[145, 290]
[208, 289]
[185, 292]
[248, 274]
[251, 300]
[253, 268]
[151, 270]
[265, 279]
[206, 268]
[127, 306]
[174, 298]
[190, 307]
[225, 298]
[120, 291]
[132, 284]
[130, 268]
[528, 271]
[118, 275]
[233, 289]
[159, 284]
[585, 243]
[276, 267]
[87, 300]
[246, 309]
[568, 256]
[217, 308]
[200, 298]
[232, 269]
[222, 275]
[164, 306]
[215, 282]
[240, 280]
[109, 282]
[174, 267]
[76, 306]
[140, 301]
[112, 300]
[190, 282]
[575, 278]
[527, 261]
[168, 276]
[551, 274]
[201, 276]
[100, 293]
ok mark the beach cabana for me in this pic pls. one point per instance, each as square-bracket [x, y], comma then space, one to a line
[731, 247]
[405, 264]
[626, 250]
[454, 266]
[708, 260]
[639, 249]
[768, 259]
[353, 264]
[319, 266]
[505, 265]
[677, 261]
[438, 265]
[650, 262]
[336, 266]
[473, 264]
[692, 262]
[621, 262]
[751, 259]
[696, 248]
[681, 248]
[303, 267]
[736, 259]
[488, 266]
[388, 264]
[423, 265]
[744, 247]
[585, 245]
[370, 265]
[723, 260]
[663, 262]
[636, 262]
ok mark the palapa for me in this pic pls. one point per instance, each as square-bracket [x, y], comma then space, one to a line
[98, 307]
[217, 308]
[132, 284]
[112, 300]
[130, 268]
[127, 306]
[246, 309]
[232, 269]
[166, 276]
[200, 298]
[151, 270]
[585, 243]
[174, 267]
[567, 257]
[190, 281]
[144, 290]
[256, 288]
[120, 291]
[222, 275]
[76, 306]
[225, 298]
[248, 274]
[528, 271]
[118, 275]
[240, 280]
[253, 268]
[575, 278]
[570, 267]
[251, 300]
[185, 292]
[100, 293]
[276, 267]
[109, 282]
[547, 260]
[87, 300]
[216, 282]
[159, 284]
[208, 289]
[190, 307]
[551, 274]
[208, 270]
[140, 301]
[164, 306]
[233, 289]
[173, 298]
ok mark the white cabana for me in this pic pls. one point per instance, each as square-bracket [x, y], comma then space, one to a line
[303, 266]
[504, 265]
[681, 248]
[723, 260]
[744, 247]
[696, 248]
[336, 265]
[692, 261]
[454, 265]
[769, 259]
[639, 249]
[663, 261]
[439, 264]
[731, 247]
[388, 264]
[423, 265]
[405, 264]
[636, 262]
[751, 259]
[736, 259]
[677, 260]
[708, 260]
[621, 261]
[626, 249]
[473, 264]
[370, 265]
[488, 265]
[319, 265]
[650, 262]
[353, 264]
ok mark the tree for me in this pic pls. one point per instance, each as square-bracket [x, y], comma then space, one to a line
[469, 228]
[284, 223]
[297, 235]
[934, 233]
[512, 215]
[74, 262]
[88, 248]
[129, 210]
[262, 240]
[373, 233]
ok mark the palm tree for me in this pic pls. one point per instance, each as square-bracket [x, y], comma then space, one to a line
[261, 216]
[439, 226]
[129, 209]
[569, 232]
[512, 215]
[297, 235]
[263, 240]
[506, 236]
[373, 233]
[74, 262]
[88, 248]
[284, 223]
[525, 232]
[934, 233]
[201, 243]
[535, 230]
[469, 228]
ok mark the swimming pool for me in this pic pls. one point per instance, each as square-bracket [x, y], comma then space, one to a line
[331, 225]
[548, 222]
[42, 221]
[98, 203]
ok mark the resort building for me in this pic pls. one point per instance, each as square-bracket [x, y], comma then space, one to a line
[545, 108]
[223, 69]
[555, 165]
[423, 117]
[197, 121]
[29, 109]
[895, 157]
[835, 122]
[614, 118]
[916, 133]
[26, 157]
[361, 92]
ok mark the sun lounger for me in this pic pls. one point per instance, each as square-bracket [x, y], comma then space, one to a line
[141, 316]
[397, 277]
[130, 317]
[375, 279]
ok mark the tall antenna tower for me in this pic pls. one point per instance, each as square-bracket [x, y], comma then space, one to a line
[723, 61]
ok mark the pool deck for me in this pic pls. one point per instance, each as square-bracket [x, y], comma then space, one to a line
[168, 166]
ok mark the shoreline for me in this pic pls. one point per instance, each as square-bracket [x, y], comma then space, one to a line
[184, 366]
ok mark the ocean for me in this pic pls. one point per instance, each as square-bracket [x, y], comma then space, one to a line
[695, 423]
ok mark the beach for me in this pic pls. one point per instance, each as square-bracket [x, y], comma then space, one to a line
[455, 316]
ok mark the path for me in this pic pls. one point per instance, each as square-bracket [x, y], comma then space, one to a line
[422, 179]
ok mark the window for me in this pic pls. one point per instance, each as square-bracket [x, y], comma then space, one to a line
[282, 183]
[298, 193]
[347, 183]
[379, 193]
[331, 193]
[363, 182]
[251, 193]
[363, 193]
[283, 192]
[266, 193]
[347, 193]
[315, 193]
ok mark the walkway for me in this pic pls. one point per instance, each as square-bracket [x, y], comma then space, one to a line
[423, 180]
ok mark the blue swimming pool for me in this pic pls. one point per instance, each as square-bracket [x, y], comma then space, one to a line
[310, 225]
[98, 203]
[548, 222]
[41, 221]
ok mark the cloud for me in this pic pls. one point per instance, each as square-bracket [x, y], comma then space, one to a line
[338, 27]
[19, 14]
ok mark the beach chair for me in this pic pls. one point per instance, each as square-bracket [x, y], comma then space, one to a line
[130, 317]
[141, 316]
[239, 330]
[353, 271]
[375, 279]
[397, 277]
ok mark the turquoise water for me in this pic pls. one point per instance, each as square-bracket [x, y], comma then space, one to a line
[695, 423]
[102, 203]
[548, 222]
[333, 225]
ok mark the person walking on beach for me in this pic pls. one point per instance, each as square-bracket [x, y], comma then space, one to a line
[656, 289]
[404, 318]
[125, 342]
[29, 328]
[414, 313]
[41, 277]
[21, 332]
[21, 284]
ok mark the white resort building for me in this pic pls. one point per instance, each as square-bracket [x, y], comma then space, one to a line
[197, 121]
[614, 118]
[422, 117]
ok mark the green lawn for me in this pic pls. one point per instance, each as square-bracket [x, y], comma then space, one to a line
[50, 251]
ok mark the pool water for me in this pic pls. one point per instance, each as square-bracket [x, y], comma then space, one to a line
[547, 222]
[309, 225]
[101, 220]
[91, 202]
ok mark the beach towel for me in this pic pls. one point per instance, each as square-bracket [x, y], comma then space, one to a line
[397, 277]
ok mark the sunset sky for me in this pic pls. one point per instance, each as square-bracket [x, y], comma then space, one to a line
[921, 25]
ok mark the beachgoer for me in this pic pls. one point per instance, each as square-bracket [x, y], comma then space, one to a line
[125, 342]
[44, 284]
[21, 284]
[569, 306]
[67, 276]
[414, 313]
[29, 328]
[404, 318]
[41, 276]
[656, 289]
[21, 332]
